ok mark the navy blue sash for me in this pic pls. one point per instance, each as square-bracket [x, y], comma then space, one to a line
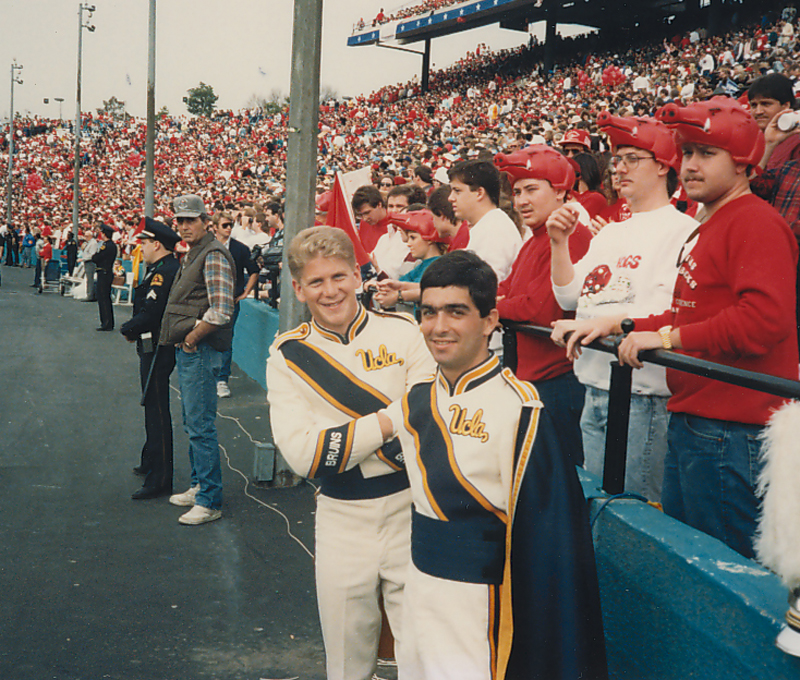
[355, 398]
[450, 494]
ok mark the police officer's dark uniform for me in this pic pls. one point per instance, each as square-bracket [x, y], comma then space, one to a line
[149, 301]
[104, 259]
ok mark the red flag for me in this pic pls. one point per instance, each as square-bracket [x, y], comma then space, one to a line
[340, 215]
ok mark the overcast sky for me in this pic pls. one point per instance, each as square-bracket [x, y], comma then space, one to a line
[240, 47]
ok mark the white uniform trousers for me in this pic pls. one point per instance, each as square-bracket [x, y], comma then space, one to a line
[362, 549]
[449, 629]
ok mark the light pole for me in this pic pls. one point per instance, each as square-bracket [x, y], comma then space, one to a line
[60, 101]
[14, 79]
[76, 182]
[149, 163]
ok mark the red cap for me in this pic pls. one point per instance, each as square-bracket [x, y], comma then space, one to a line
[421, 222]
[644, 133]
[576, 136]
[537, 161]
[324, 201]
[721, 122]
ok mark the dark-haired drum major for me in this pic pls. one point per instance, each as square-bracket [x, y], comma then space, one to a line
[502, 556]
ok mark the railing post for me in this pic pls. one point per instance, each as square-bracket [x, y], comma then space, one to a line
[619, 411]
[510, 349]
[619, 414]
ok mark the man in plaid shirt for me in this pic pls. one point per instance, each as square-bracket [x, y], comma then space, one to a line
[197, 322]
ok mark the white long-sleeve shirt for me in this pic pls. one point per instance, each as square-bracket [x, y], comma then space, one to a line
[630, 269]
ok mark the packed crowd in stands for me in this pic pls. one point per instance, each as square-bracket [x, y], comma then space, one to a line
[486, 102]
[426, 7]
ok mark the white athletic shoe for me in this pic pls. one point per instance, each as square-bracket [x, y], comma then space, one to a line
[200, 515]
[185, 499]
[789, 638]
[223, 391]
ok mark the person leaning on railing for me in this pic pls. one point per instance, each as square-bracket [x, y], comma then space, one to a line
[733, 303]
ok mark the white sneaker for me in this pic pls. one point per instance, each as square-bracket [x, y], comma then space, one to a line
[223, 391]
[186, 498]
[199, 515]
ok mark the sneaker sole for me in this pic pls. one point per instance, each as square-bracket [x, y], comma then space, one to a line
[204, 520]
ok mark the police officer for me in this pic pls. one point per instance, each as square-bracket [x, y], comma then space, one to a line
[149, 299]
[104, 259]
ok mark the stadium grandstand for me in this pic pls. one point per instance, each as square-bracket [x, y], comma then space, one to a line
[425, 21]
[481, 104]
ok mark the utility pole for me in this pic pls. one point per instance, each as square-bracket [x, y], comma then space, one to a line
[10, 186]
[301, 171]
[76, 180]
[150, 143]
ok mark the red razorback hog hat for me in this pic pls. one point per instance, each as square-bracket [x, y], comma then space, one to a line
[421, 222]
[721, 122]
[641, 132]
[537, 161]
[576, 136]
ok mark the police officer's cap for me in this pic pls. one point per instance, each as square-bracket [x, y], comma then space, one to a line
[108, 231]
[160, 232]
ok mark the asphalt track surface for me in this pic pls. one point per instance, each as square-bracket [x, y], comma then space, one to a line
[96, 586]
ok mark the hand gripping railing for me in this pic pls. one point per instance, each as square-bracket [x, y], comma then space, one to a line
[619, 398]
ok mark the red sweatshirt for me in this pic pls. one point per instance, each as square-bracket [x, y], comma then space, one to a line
[734, 302]
[461, 239]
[529, 298]
[370, 233]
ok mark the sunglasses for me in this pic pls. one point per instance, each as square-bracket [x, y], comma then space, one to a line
[226, 225]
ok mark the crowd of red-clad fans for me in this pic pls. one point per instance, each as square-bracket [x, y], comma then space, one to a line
[484, 103]
[424, 7]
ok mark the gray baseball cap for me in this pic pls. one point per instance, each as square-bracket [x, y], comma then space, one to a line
[189, 205]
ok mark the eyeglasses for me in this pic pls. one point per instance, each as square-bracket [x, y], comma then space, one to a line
[226, 225]
[631, 160]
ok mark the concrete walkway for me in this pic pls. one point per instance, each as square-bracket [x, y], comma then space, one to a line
[95, 585]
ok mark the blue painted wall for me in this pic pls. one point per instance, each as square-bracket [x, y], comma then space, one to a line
[677, 604]
[256, 327]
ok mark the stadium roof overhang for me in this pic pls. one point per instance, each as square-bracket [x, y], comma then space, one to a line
[517, 15]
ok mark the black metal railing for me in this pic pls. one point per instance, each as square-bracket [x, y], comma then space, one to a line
[619, 397]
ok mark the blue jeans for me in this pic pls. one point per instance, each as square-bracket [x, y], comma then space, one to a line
[197, 373]
[227, 357]
[562, 397]
[710, 477]
[647, 440]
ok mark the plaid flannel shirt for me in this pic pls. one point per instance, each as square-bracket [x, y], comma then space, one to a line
[219, 282]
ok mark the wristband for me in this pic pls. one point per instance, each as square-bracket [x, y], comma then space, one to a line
[666, 340]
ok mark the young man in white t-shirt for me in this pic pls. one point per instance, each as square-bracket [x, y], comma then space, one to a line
[630, 268]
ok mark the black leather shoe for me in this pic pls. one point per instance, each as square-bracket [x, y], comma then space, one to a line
[139, 470]
[107, 330]
[151, 492]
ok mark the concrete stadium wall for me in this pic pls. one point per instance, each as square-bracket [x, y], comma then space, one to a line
[256, 328]
[677, 604]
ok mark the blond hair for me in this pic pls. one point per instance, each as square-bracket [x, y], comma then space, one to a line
[319, 242]
[219, 215]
